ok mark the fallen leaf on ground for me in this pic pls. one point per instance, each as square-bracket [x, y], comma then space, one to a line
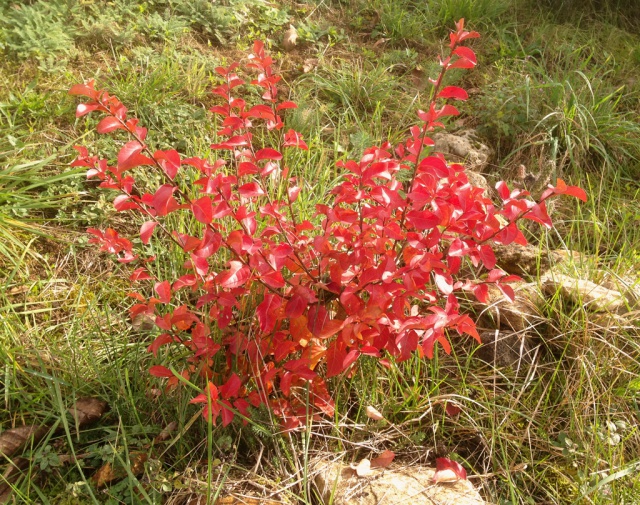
[452, 409]
[383, 460]
[448, 471]
[10, 475]
[166, 433]
[14, 439]
[107, 473]
[87, 411]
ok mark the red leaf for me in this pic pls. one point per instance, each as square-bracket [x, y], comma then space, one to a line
[453, 92]
[202, 209]
[87, 89]
[163, 200]
[287, 105]
[448, 110]
[466, 53]
[231, 388]
[247, 168]
[226, 412]
[503, 190]
[481, 292]
[108, 124]
[462, 63]
[266, 312]
[130, 157]
[268, 154]
[250, 189]
[335, 359]
[140, 274]
[160, 371]
[235, 277]
[160, 340]
[293, 139]
[383, 460]
[422, 220]
[487, 256]
[295, 306]
[146, 230]
[561, 188]
[85, 108]
[319, 323]
[448, 471]
[452, 409]
[123, 202]
[164, 291]
[507, 291]
[169, 161]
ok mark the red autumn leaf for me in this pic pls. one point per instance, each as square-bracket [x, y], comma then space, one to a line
[130, 156]
[293, 139]
[146, 230]
[448, 110]
[453, 92]
[335, 356]
[423, 220]
[250, 189]
[160, 371]
[140, 274]
[561, 188]
[507, 291]
[123, 202]
[465, 53]
[159, 341]
[108, 124]
[231, 388]
[286, 105]
[487, 256]
[481, 292]
[452, 409]
[164, 291]
[85, 108]
[163, 200]
[87, 89]
[226, 413]
[383, 460]
[202, 209]
[296, 306]
[169, 161]
[268, 154]
[320, 323]
[237, 275]
[247, 168]
[448, 471]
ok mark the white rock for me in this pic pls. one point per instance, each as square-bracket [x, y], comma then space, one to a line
[393, 485]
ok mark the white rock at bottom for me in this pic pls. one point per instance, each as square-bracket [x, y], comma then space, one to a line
[395, 485]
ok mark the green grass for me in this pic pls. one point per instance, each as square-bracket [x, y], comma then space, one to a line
[565, 91]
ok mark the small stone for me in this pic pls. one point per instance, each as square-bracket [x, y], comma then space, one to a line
[289, 40]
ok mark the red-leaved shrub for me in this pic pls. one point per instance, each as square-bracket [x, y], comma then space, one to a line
[270, 302]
